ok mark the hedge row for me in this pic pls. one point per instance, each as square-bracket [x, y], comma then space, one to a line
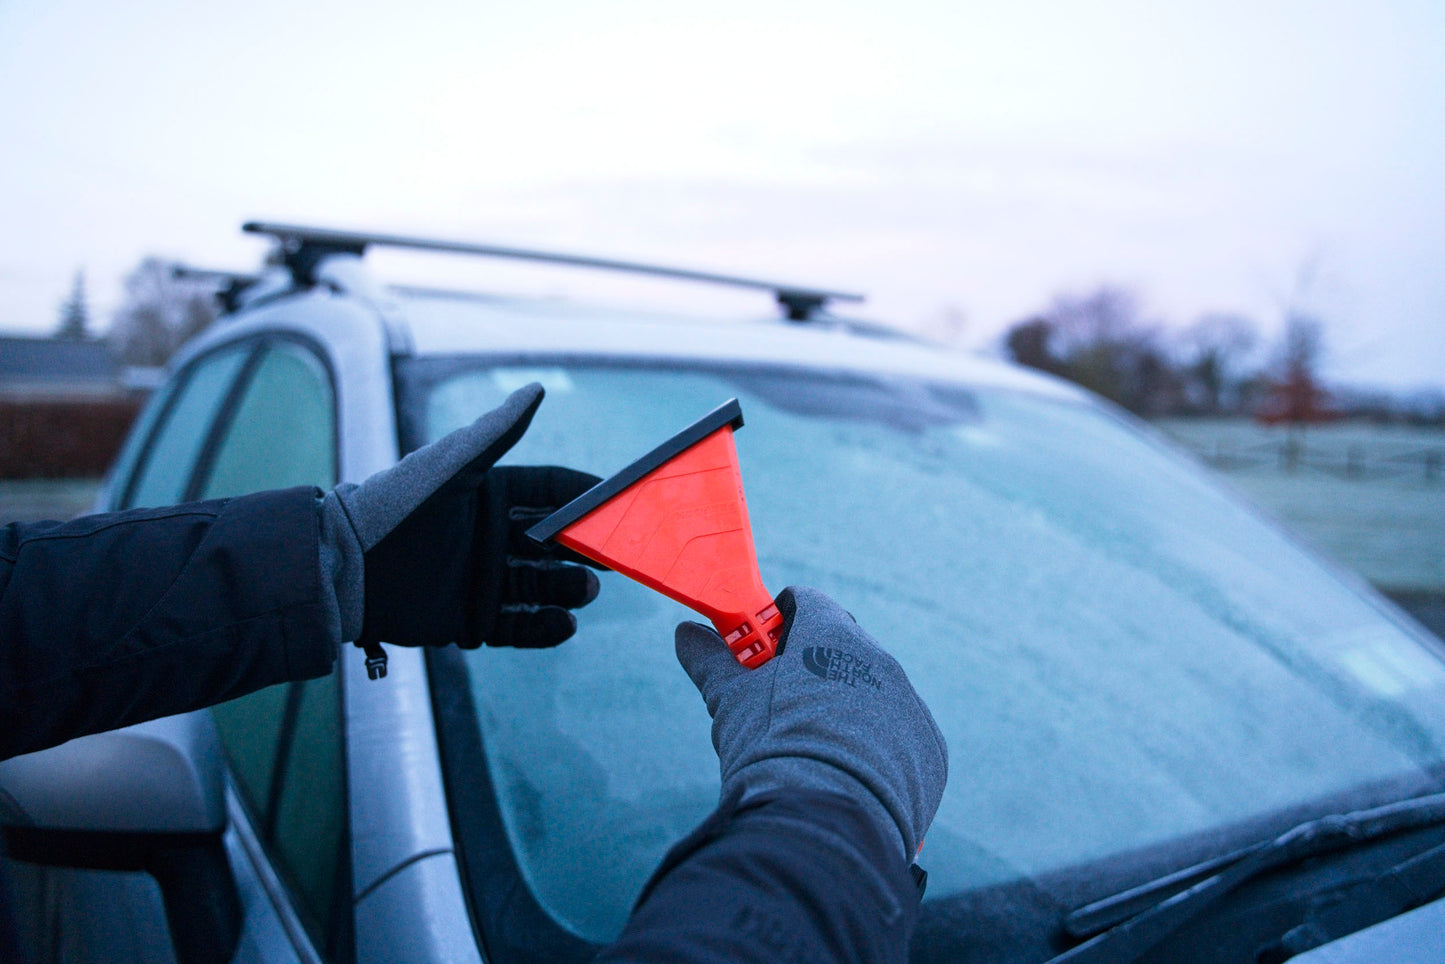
[58, 439]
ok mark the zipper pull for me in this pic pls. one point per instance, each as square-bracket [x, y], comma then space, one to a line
[375, 660]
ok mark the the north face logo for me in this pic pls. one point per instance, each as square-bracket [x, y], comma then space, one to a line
[840, 666]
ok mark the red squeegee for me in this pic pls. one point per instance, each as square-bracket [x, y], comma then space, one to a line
[676, 521]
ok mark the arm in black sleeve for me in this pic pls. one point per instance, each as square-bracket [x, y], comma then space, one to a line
[113, 619]
[789, 875]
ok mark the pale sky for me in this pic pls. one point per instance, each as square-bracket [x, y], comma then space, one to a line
[959, 163]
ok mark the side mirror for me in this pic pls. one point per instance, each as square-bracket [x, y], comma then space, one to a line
[149, 797]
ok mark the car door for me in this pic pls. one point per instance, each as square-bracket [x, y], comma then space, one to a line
[245, 416]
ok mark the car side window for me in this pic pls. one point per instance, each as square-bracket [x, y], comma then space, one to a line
[284, 744]
[307, 821]
[169, 455]
[282, 431]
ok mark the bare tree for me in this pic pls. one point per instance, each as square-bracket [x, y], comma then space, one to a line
[1295, 393]
[1301, 347]
[1100, 336]
[160, 313]
[1100, 342]
[1214, 352]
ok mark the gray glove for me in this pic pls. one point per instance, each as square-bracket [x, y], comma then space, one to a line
[831, 711]
[431, 552]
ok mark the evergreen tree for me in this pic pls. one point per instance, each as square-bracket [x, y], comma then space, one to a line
[74, 314]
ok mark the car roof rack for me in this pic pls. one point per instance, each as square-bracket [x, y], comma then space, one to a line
[229, 284]
[302, 248]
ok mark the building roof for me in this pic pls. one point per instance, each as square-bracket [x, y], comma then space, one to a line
[49, 368]
[31, 359]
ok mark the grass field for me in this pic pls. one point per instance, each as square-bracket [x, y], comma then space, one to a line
[30, 500]
[1371, 496]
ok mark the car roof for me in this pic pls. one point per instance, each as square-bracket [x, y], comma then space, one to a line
[443, 325]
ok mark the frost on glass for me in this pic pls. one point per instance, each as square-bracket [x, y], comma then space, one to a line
[283, 431]
[1117, 654]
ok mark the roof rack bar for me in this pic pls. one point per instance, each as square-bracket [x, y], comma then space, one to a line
[229, 284]
[304, 246]
[220, 276]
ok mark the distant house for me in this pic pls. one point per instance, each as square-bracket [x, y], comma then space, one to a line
[65, 406]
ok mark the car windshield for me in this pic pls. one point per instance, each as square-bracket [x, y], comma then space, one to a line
[1119, 654]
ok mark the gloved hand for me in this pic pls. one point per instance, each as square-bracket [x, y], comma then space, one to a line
[831, 711]
[431, 551]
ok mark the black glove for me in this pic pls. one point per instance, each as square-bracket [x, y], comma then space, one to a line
[443, 558]
[523, 590]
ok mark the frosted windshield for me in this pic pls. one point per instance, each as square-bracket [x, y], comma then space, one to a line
[1118, 654]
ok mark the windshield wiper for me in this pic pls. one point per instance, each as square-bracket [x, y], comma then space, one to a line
[1137, 920]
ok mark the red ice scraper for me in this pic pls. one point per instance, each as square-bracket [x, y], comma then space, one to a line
[676, 521]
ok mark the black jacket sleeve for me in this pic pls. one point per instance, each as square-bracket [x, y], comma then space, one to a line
[789, 875]
[118, 618]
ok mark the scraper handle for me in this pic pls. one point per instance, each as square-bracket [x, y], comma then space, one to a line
[752, 638]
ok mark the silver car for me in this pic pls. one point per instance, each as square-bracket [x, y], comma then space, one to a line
[1175, 734]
